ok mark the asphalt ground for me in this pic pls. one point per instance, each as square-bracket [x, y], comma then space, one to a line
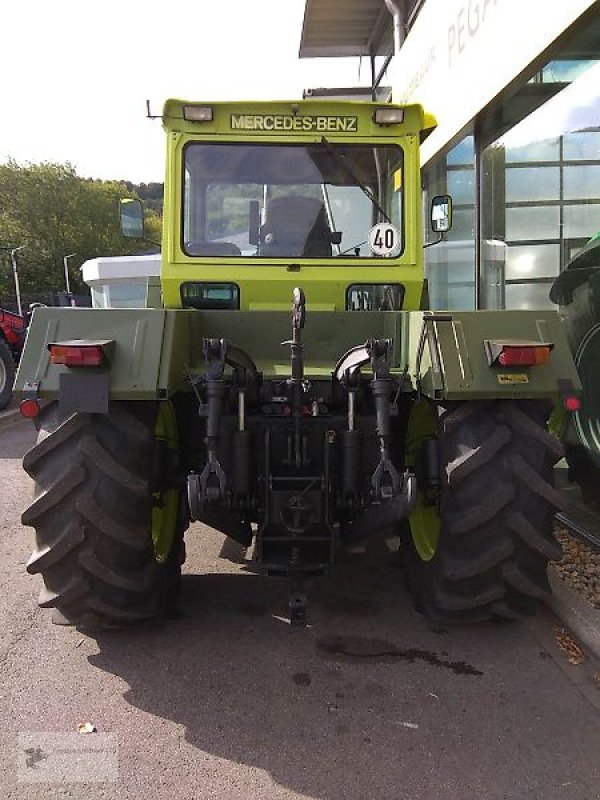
[227, 701]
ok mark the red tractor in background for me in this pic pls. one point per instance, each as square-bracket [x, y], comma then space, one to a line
[13, 328]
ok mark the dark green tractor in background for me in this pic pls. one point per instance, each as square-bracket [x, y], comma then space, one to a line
[577, 293]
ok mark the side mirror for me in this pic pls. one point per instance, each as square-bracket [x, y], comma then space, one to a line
[441, 213]
[131, 217]
[254, 222]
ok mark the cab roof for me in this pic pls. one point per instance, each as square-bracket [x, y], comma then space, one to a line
[301, 118]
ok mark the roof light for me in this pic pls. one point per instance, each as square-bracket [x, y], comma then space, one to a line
[524, 356]
[389, 116]
[198, 113]
[80, 355]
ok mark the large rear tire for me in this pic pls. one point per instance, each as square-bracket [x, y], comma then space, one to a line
[7, 374]
[95, 514]
[482, 553]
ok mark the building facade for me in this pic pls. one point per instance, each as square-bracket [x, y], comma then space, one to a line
[515, 87]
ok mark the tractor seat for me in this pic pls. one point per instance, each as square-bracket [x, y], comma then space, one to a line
[295, 226]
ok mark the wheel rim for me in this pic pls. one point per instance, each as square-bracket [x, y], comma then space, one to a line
[165, 506]
[424, 521]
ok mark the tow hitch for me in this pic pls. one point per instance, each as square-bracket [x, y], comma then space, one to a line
[300, 465]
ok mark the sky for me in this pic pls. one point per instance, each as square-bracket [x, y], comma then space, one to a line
[76, 74]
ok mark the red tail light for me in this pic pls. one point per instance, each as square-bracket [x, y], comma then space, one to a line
[81, 355]
[572, 403]
[524, 356]
[29, 408]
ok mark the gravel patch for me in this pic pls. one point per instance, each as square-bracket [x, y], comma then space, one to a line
[579, 567]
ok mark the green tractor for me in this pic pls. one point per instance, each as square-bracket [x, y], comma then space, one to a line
[577, 292]
[293, 392]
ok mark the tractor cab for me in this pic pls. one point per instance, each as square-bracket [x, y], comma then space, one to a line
[256, 193]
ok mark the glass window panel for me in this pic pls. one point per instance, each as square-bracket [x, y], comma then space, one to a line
[532, 223]
[532, 183]
[450, 271]
[461, 297]
[582, 182]
[349, 208]
[128, 295]
[434, 180]
[545, 150]
[450, 265]
[98, 297]
[492, 293]
[581, 221]
[494, 256]
[565, 70]
[532, 261]
[444, 295]
[552, 146]
[529, 296]
[463, 153]
[581, 146]
[292, 181]
[463, 225]
[460, 186]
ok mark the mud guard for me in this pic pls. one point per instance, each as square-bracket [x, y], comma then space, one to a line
[447, 355]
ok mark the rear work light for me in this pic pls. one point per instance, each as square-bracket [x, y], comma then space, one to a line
[198, 113]
[77, 355]
[517, 354]
[389, 116]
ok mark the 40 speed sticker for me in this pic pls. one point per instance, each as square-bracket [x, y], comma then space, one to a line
[384, 239]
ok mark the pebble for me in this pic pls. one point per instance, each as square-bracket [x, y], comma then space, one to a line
[579, 566]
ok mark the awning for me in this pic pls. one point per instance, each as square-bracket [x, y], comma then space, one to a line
[346, 28]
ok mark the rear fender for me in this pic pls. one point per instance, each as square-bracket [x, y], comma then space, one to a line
[448, 355]
[132, 368]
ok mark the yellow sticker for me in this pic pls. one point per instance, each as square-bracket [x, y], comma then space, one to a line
[398, 180]
[513, 377]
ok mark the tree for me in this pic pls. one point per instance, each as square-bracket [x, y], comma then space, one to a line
[53, 212]
[150, 193]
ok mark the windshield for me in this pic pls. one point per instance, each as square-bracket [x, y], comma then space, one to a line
[320, 200]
